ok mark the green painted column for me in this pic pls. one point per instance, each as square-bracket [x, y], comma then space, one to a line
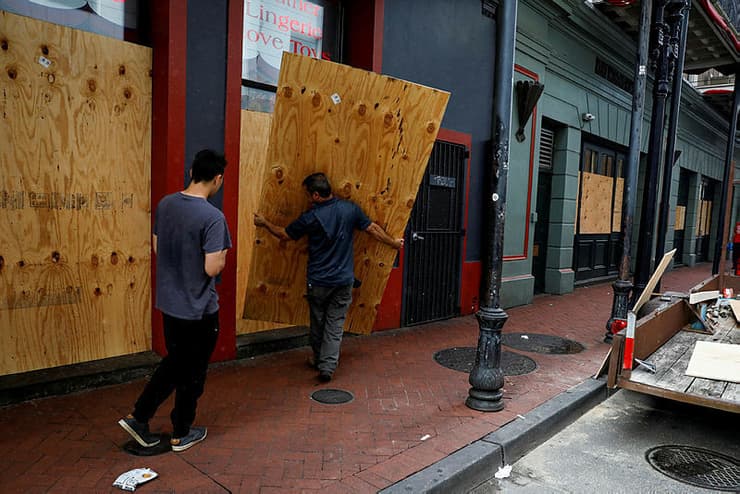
[559, 275]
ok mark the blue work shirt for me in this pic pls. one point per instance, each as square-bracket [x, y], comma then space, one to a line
[330, 227]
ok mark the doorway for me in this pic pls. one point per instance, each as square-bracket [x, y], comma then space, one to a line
[434, 239]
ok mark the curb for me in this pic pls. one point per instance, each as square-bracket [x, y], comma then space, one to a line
[476, 463]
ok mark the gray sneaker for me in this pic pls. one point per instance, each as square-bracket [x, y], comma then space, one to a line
[196, 435]
[139, 431]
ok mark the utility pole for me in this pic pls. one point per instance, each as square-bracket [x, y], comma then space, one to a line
[623, 285]
[487, 377]
[679, 23]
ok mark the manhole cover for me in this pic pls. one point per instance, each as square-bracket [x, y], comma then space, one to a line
[696, 466]
[540, 343]
[136, 449]
[332, 396]
[462, 359]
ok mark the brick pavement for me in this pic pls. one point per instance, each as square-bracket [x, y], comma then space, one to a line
[265, 433]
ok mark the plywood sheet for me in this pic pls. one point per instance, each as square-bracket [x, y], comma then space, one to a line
[595, 203]
[680, 222]
[372, 135]
[718, 361]
[255, 137]
[617, 211]
[75, 138]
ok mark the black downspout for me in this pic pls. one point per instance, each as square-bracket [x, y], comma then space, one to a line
[679, 44]
[644, 264]
[729, 153]
[623, 285]
[487, 377]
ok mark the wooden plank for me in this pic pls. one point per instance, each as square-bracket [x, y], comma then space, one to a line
[657, 274]
[666, 359]
[708, 387]
[655, 329]
[615, 360]
[711, 283]
[696, 297]
[255, 137]
[596, 203]
[74, 196]
[372, 135]
[729, 406]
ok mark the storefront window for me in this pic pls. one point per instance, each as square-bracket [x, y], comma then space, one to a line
[271, 27]
[112, 18]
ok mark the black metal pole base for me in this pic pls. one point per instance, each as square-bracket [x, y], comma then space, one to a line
[620, 305]
[487, 377]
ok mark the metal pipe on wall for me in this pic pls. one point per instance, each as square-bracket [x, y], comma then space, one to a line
[487, 378]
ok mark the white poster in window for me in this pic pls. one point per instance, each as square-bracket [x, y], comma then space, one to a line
[274, 26]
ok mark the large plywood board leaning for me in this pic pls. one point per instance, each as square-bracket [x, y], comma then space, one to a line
[372, 135]
[75, 138]
[255, 137]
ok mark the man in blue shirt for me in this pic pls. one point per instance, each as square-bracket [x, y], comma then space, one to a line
[329, 224]
[190, 241]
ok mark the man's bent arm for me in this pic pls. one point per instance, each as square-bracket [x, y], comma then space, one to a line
[215, 263]
[277, 231]
[379, 234]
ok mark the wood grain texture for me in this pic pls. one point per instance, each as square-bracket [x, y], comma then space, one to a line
[372, 135]
[596, 203]
[617, 211]
[74, 196]
[255, 137]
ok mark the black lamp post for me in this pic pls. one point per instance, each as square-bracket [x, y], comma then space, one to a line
[623, 285]
[487, 377]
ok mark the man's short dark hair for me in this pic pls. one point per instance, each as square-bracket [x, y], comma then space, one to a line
[206, 165]
[317, 182]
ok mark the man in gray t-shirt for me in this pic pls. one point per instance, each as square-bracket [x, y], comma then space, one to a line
[190, 241]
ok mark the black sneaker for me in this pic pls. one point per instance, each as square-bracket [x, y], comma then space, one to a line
[324, 376]
[139, 431]
[196, 435]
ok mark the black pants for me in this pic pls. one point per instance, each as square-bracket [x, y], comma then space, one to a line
[189, 348]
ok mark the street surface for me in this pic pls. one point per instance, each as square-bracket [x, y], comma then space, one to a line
[604, 451]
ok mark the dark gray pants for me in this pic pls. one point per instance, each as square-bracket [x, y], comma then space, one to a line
[328, 307]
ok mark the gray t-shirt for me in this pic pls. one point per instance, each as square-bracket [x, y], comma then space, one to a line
[187, 228]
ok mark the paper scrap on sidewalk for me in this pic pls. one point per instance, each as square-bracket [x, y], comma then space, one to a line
[130, 480]
[503, 472]
[425, 437]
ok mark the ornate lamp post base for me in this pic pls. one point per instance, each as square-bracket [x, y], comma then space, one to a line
[487, 377]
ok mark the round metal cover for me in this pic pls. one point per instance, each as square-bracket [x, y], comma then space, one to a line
[696, 466]
[541, 343]
[332, 396]
[136, 449]
[462, 359]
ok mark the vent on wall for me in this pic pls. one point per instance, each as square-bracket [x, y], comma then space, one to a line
[547, 143]
[489, 8]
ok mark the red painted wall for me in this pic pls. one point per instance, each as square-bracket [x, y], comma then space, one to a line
[169, 42]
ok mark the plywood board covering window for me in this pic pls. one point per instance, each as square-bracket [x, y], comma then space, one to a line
[75, 138]
[372, 135]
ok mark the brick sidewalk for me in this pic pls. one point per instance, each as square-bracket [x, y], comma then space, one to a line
[266, 435]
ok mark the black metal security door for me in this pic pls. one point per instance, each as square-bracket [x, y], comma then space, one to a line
[434, 239]
[704, 219]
